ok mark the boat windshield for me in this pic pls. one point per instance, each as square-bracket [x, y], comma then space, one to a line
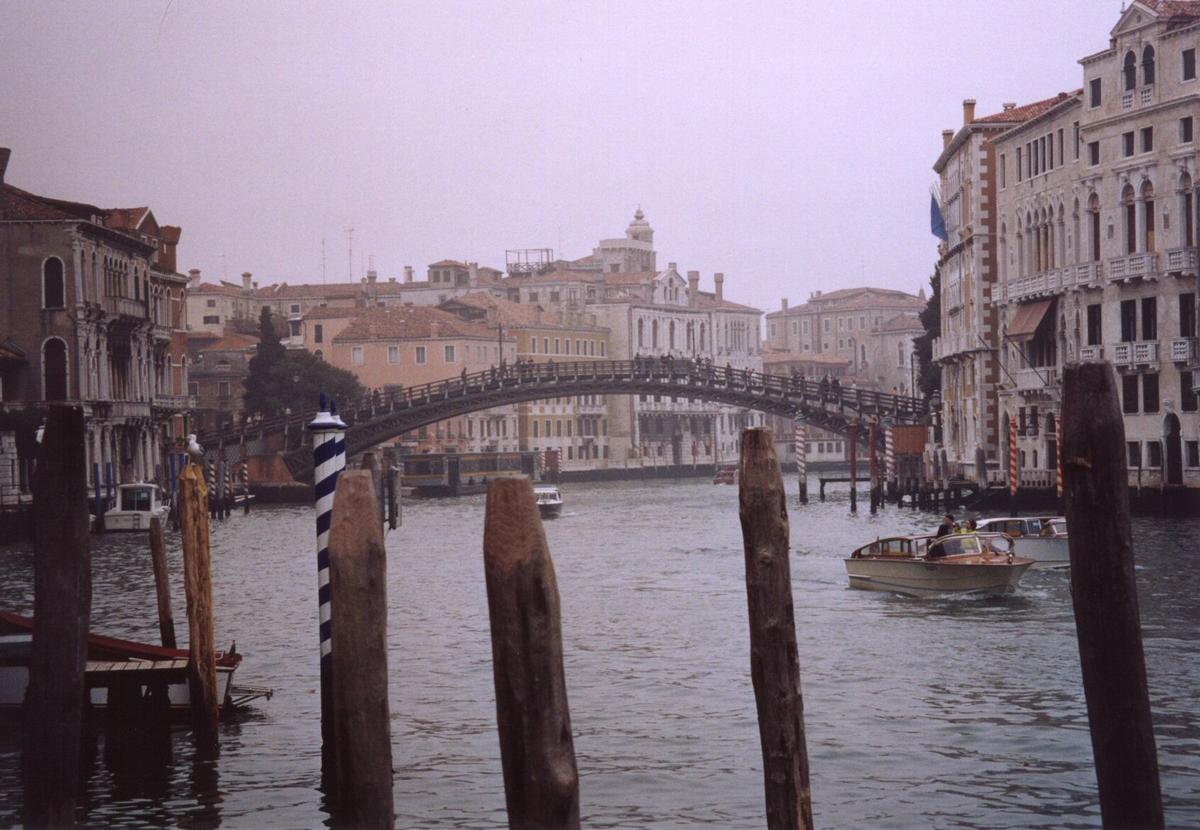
[135, 498]
[954, 546]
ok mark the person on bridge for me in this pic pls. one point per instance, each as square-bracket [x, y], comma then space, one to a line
[464, 376]
[825, 388]
[836, 388]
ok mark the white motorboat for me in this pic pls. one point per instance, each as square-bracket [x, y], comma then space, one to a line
[1040, 538]
[136, 505]
[923, 566]
[549, 500]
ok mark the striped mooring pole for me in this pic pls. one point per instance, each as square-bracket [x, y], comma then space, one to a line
[1058, 472]
[1012, 455]
[800, 438]
[329, 459]
[889, 457]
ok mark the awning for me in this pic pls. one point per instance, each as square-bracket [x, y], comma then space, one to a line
[1027, 320]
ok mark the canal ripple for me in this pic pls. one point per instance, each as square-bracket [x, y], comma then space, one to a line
[957, 713]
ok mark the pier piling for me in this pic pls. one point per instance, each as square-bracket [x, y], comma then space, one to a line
[1104, 593]
[774, 659]
[162, 586]
[62, 601]
[537, 751]
[854, 468]
[197, 584]
[358, 588]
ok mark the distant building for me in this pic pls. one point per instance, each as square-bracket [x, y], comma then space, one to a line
[216, 380]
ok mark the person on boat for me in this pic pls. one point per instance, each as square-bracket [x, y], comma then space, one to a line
[946, 527]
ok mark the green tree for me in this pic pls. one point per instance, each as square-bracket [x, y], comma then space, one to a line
[281, 379]
[929, 378]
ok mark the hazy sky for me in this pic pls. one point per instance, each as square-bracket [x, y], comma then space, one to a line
[789, 145]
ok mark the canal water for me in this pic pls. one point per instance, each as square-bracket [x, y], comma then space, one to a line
[962, 713]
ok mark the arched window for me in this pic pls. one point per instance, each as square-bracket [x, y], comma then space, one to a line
[1130, 71]
[1129, 212]
[1148, 216]
[1075, 241]
[641, 333]
[1094, 226]
[53, 289]
[1188, 213]
[54, 370]
[319, 355]
[1148, 66]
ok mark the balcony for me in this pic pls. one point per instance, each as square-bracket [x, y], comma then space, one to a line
[175, 401]
[1037, 379]
[1182, 262]
[1091, 354]
[1184, 350]
[1126, 101]
[1131, 266]
[1047, 282]
[125, 307]
[1144, 353]
[1086, 274]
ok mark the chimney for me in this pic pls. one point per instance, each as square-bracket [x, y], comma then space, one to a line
[391, 279]
[246, 282]
[968, 111]
[194, 276]
[5, 153]
[783, 305]
[947, 137]
[372, 276]
[719, 283]
[473, 273]
[693, 287]
[408, 273]
[671, 266]
[1012, 105]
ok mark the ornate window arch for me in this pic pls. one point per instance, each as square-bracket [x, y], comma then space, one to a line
[54, 369]
[54, 289]
[1148, 65]
[1129, 71]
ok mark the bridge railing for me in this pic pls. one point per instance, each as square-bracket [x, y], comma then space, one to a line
[657, 373]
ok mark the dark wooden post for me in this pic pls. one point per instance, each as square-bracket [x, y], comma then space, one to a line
[873, 467]
[537, 751]
[854, 468]
[197, 583]
[162, 586]
[1104, 593]
[358, 587]
[62, 602]
[774, 660]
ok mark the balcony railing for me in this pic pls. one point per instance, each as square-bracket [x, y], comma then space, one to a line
[125, 307]
[175, 401]
[1091, 354]
[1184, 350]
[1127, 267]
[1144, 353]
[1181, 261]
[1145, 95]
[1087, 273]
[1034, 379]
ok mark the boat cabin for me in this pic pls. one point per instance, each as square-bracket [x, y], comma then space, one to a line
[138, 497]
[1020, 526]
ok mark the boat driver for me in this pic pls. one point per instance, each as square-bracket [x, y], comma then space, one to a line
[946, 527]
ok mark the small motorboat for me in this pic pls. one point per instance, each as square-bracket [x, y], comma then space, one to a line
[1040, 538]
[549, 500]
[136, 505]
[923, 566]
[726, 474]
[111, 660]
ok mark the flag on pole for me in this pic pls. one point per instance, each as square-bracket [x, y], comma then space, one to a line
[937, 224]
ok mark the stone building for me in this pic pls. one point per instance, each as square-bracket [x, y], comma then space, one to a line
[219, 368]
[92, 311]
[1097, 226]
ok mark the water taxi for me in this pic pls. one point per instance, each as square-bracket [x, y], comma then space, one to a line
[1040, 538]
[923, 566]
[549, 500]
[136, 505]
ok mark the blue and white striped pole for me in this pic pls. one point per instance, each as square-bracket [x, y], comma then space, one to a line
[329, 459]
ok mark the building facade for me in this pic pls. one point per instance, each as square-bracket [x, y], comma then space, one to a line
[1097, 227]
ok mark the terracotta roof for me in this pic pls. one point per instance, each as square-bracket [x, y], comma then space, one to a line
[630, 278]
[443, 263]
[507, 311]
[709, 300]
[225, 289]
[854, 299]
[17, 204]
[1016, 115]
[284, 291]
[332, 312]
[126, 219]
[902, 322]
[232, 342]
[410, 322]
[1174, 8]
[557, 276]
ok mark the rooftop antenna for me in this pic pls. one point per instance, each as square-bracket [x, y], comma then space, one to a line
[322, 260]
[350, 254]
[370, 262]
[224, 268]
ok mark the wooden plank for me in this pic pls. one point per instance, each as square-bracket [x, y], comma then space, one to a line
[774, 658]
[62, 601]
[1104, 593]
[362, 726]
[537, 751]
[197, 583]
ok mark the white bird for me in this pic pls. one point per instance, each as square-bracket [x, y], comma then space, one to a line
[195, 451]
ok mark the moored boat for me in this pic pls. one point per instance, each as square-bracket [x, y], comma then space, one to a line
[726, 474]
[922, 566]
[136, 505]
[549, 500]
[110, 660]
[1040, 538]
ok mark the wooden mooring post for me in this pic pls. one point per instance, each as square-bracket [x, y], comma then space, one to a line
[854, 468]
[873, 467]
[1104, 593]
[197, 583]
[62, 601]
[537, 751]
[774, 659]
[358, 588]
[162, 586]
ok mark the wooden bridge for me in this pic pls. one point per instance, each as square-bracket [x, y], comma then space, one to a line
[378, 417]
